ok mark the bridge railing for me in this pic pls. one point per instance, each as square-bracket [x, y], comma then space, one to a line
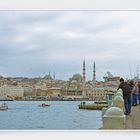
[113, 117]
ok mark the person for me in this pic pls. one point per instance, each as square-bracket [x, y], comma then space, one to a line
[127, 89]
[139, 92]
[134, 93]
[122, 83]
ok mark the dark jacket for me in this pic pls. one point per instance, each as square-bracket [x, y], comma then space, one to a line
[126, 88]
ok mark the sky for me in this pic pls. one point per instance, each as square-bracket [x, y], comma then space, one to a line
[34, 43]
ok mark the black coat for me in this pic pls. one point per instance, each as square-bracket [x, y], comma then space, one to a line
[126, 88]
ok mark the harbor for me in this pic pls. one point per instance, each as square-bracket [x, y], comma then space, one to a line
[62, 70]
[47, 103]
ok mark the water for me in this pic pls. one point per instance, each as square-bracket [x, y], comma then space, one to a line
[60, 115]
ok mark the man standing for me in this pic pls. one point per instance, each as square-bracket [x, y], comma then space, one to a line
[135, 92]
[139, 92]
[126, 88]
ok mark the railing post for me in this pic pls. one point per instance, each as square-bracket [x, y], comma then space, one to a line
[118, 102]
[113, 117]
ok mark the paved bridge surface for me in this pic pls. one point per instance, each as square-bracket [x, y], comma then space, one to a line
[133, 120]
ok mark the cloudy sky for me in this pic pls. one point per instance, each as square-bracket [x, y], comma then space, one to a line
[32, 43]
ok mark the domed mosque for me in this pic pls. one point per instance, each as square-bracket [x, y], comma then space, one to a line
[77, 85]
[74, 86]
[77, 77]
[48, 77]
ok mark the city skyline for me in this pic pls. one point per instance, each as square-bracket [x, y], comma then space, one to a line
[35, 42]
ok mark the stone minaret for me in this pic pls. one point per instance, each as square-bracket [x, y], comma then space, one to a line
[84, 79]
[54, 75]
[84, 71]
[94, 74]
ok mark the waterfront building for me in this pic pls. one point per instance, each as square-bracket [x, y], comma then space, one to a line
[95, 93]
[11, 91]
[28, 91]
[54, 91]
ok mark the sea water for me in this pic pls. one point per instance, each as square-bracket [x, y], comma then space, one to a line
[60, 115]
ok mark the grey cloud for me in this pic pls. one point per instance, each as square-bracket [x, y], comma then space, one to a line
[33, 42]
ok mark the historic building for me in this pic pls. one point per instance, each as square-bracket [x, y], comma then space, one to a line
[78, 86]
[74, 86]
[11, 91]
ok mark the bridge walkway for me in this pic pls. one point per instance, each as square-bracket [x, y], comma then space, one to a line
[133, 120]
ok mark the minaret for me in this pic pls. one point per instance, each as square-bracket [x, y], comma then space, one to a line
[49, 73]
[54, 75]
[84, 79]
[94, 74]
[84, 71]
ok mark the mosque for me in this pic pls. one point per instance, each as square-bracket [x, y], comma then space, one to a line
[78, 87]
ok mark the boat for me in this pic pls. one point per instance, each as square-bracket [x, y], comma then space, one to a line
[3, 106]
[92, 106]
[44, 105]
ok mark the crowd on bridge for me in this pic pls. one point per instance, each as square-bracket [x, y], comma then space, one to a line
[131, 94]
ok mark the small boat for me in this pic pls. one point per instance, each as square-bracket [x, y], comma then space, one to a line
[3, 106]
[44, 105]
[92, 106]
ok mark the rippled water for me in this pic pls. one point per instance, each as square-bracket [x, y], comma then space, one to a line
[60, 115]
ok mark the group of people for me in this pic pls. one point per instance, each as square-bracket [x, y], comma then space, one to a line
[131, 94]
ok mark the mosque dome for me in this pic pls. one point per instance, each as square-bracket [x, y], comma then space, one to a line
[114, 111]
[77, 77]
[48, 77]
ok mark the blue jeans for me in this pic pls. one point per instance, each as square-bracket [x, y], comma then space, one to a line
[127, 104]
[131, 99]
[139, 97]
[135, 96]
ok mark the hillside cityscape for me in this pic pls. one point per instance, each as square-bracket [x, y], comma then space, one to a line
[49, 88]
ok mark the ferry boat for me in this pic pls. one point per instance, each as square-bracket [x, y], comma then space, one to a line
[3, 106]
